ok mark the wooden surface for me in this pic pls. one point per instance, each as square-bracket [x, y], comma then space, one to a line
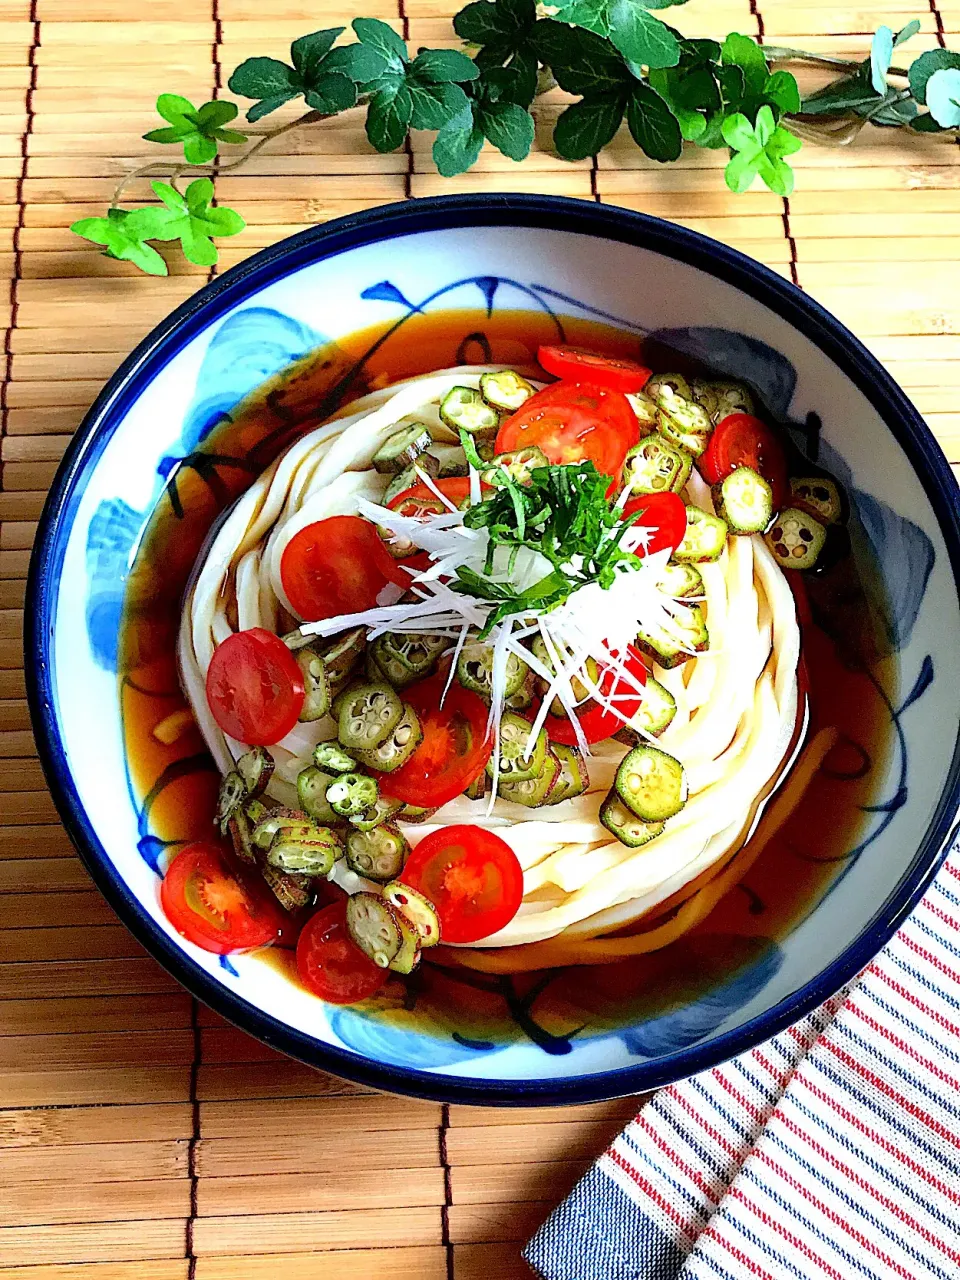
[140, 1136]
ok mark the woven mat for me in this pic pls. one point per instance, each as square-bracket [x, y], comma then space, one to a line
[141, 1136]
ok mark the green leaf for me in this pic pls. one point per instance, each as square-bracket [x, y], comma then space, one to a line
[267, 105]
[712, 136]
[434, 104]
[781, 89]
[458, 144]
[695, 90]
[121, 241]
[268, 79]
[741, 170]
[516, 82]
[174, 134]
[331, 94]
[591, 15]
[383, 39]
[213, 115]
[189, 218]
[922, 68]
[852, 93]
[582, 62]
[926, 124]
[437, 66]
[587, 126]
[654, 127]
[906, 33]
[777, 175]
[389, 115]
[508, 127]
[896, 114]
[641, 37]
[743, 52]
[692, 124]
[174, 108]
[765, 125]
[699, 51]
[359, 62]
[783, 143]
[881, 55]
[309, 51]
[484, 23]
[943, 97]
[198, 149]
[738, 133]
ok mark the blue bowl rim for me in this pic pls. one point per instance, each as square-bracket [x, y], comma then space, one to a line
[329, 240]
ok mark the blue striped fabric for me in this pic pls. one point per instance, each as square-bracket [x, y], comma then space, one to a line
[832, 1152]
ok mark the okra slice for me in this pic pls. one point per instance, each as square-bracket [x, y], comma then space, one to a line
[398, 746]
[516, 764]
[704, 539]
[573, 779]
[416, 651]
[367, 716]
[342, 656]
[312, 784]
[314, 857]
[705, 395]
[402, 449]
[409, 476]
[373, 927]
[382, 811]
[524, 696]
[295, 640]
[653, 716]
[651, 784]
[378, 854]
[518, 464]
[283, 823]
[680, 581]
[417, 812]
[674, 383]
[818, 496]
[475, 670]
[381, 664]
[732, 397]
[255, 767]
[656, 466]
[316, 687]
[408, 957]
[534, 792]
[464, 409]
[478, 787]
[687, 637]
[744, 500]
[331, 757]
[683, 423]
[339, 702]
[796, 539]
[233, 793]
[646, 411]
[352, 793]
[292, 891]
[505, 391]
[241, 834]
[452, 459]
[417, 908]
[626, 826]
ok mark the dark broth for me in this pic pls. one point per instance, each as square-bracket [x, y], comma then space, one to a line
[850, 684]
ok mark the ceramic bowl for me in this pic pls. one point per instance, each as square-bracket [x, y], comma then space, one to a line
[559, 257]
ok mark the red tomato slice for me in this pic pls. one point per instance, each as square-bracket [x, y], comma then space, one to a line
[616, 373]
[420, 500]
[455, 748]
[596, 721]
[254, 687]
[665, 514]
[211, 904]
[471, 876]
[329, 962]
[338, 565]
[741, 440]
[574, 422]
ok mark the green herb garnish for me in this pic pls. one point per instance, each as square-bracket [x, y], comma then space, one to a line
[618, 58]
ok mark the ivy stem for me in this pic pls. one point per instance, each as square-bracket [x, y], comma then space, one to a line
[158, 167]
[781, 53]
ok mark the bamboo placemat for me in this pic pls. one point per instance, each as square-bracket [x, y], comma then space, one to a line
[139, 1134]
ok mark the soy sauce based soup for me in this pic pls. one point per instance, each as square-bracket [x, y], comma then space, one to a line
[846, 673]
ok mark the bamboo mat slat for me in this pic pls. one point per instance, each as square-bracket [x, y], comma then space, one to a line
[139, 1134]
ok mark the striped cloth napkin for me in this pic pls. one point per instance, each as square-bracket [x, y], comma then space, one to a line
[830, 1152]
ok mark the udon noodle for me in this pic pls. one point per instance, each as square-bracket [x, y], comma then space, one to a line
[737, 726]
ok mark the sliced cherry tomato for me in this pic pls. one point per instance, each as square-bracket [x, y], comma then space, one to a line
[741, 440]
[455, 748]
[616, 373]
[329, 962]
[254, 687]
[574, 422]
[420, 499]
[338, 565]
[215, 906]
[471, 876]
[663, 513]
[595, 720]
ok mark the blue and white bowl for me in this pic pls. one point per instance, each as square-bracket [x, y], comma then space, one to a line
[558, 256]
